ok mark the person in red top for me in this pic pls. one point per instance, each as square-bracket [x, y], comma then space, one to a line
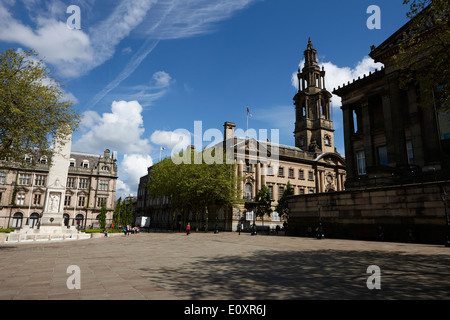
[188, 229]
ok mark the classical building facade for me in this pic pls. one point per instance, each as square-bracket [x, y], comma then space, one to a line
[91, 182]
[397, 154]
[311, 166]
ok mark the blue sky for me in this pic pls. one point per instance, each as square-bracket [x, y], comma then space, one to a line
[143, 71]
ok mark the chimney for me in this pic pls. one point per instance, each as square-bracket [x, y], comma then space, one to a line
[228, 130]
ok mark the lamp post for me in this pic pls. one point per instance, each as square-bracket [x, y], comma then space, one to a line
[444, 197]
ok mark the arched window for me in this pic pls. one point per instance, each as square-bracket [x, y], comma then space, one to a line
[248, 191]
[17, 220]
[79, 221]
[34, 219]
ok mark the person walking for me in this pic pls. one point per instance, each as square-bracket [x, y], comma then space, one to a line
[188, 229]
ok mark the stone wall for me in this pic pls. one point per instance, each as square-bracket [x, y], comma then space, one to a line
[413, 212]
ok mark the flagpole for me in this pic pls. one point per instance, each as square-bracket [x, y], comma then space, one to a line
[246, 133]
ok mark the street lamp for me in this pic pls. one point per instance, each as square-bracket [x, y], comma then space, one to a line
[444, 197]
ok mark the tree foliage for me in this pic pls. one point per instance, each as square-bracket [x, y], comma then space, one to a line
[193, 186]
[424, 53]
[263, 203]
[102, 216]
[117, 213]
[282, 206]
[32, 107]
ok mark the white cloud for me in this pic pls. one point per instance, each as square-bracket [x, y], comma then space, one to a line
[176, 140]
[146, 94]
[64, 48]
[337, 76]
[121, 130]
[131, 169]
[162, 78]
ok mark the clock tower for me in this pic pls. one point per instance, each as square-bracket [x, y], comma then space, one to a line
[313, 125]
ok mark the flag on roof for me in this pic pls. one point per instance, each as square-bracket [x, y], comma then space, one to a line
[248, 112]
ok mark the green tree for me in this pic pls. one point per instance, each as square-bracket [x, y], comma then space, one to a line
[116, 214]
[194, 185]
[130, 211]
[263, 203]
[424, 52]
[102, 216]
[123, 214]
[282, 206]
[32, 107]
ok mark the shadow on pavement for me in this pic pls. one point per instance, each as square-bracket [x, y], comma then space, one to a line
[316, 275]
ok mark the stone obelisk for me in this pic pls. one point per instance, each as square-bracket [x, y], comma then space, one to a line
[52, 219]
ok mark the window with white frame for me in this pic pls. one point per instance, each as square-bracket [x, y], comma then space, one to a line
[37, 199]
[81, 201]
[17, 220]
[71, 182]
[271, 192]
[83, 183]
[103, 185]
[20, 199]
[280, 192]
[85, 164]
[301, 174]
[249, 215]
[291, 173]
[101, 201]
[2, 178]
[410, 152]
[24, 179]
[361, 162]
[67, 200]
[40, 180]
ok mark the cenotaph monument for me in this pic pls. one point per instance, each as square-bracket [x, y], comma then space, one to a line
[51, 224]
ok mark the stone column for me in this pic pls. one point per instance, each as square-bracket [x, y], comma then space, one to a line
[348, 132]
[368, 143]
[416, 128]
[258, 176]
[263, 174]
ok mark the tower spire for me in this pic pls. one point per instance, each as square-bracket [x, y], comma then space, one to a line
[313, 126]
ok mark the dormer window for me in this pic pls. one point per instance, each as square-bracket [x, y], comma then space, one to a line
[72, 163]
[105, 168]
[28, 159]
[43, 160]
[85, 164]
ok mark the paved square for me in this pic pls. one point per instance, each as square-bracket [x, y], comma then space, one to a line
[224, 266]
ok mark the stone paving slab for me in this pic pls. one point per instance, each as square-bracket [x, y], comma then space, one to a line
[224, 266]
